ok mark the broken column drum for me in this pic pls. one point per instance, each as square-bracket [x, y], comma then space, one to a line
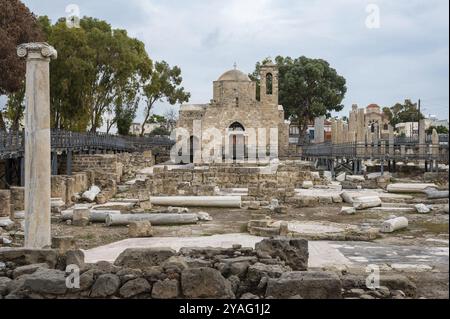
[37, 143]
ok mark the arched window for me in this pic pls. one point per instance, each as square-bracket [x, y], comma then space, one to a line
[237, 127]
[269, 84]
[386, 127]
[237, 101]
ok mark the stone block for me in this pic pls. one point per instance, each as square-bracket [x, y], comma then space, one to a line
[5, 203]
[140, 229]
[307, 285]
[81, 216]
[205, 283]
[140, 258]
[294, 251]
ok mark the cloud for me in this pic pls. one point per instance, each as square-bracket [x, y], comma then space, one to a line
[406, 58]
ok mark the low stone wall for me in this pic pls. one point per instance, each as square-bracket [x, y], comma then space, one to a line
[132, 163]
[275, 269]
[203, 181]
[17, 198]
[5, 203]
[67, 186]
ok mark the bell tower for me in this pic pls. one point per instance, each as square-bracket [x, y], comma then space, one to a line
[269, 83]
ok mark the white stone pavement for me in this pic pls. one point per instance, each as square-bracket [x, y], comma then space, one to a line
[322, 254]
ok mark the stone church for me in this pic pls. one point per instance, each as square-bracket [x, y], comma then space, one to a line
[237, 113]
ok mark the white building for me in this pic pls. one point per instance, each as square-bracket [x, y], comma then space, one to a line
[135, 128]
[432, 120]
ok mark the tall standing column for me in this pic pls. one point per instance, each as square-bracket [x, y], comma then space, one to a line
[319, 123]
[37, 143]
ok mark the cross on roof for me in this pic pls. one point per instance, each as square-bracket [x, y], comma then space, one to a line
[235, 65]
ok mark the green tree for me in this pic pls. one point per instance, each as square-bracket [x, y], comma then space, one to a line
[439, 129]
[160, 131]
[96, 66]
[388, 113]
[164, 84]
[406, 112]
[125, 113]
[15, 106]
[308, 88]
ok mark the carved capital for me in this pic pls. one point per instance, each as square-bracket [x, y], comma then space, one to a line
[41, 48]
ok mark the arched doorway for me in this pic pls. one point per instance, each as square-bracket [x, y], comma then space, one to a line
[237, 141]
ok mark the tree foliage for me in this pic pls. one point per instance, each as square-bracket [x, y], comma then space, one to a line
[125, 112]
[15, 106]
[160, 131]
[164, 84]
[439, 129]
[308, 88]
[404, 113]
[96, 67]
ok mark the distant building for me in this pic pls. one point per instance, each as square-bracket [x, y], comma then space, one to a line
[135, 128]
[432, 120]
[294, 132]
[408, 129]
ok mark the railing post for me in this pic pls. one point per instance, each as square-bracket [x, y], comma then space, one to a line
[69, 162]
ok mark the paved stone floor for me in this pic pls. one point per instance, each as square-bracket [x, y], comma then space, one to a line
[322, 253]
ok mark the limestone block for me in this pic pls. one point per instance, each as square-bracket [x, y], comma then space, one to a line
[5, 203]
[341, 177]
[348, 210]
[307, 184]
[91, 194]
[306, 284]
[355, 178]
[328, 176]
[423, 209]
[81, 217]
[365, 202]
[393, 225]
[140, 229]
[409, 187]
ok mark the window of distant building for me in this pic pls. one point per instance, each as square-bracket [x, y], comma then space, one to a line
[269, 84]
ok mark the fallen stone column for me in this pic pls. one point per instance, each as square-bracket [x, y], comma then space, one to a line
[360, 203]
[154, 219]
[433, 193]
[393, 225]
[95, 216]
[198, 201]
[409, 188]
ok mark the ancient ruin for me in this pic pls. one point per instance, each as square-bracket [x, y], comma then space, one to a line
[365, 216]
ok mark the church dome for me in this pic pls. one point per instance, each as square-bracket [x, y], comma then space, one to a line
[234, 75]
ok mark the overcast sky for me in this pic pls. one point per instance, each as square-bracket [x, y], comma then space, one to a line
[406, 57]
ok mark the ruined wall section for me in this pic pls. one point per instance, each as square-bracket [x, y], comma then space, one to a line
[261, 186]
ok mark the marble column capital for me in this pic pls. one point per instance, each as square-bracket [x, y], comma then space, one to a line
[36, 50]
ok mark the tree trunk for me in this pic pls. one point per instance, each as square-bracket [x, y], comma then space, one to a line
[2, 123]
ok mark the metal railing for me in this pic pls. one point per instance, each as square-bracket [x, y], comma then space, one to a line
[12, 143]
[382, 150]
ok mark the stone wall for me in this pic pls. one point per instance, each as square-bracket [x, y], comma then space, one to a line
[262, 184]
[132, 163]
[5, 203]
[17, 198]
[275, 269]
[67, 186]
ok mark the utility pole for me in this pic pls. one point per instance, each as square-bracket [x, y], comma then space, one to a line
[418, 117]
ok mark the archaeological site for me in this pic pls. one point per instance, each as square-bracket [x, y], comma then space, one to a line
[242, 200]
